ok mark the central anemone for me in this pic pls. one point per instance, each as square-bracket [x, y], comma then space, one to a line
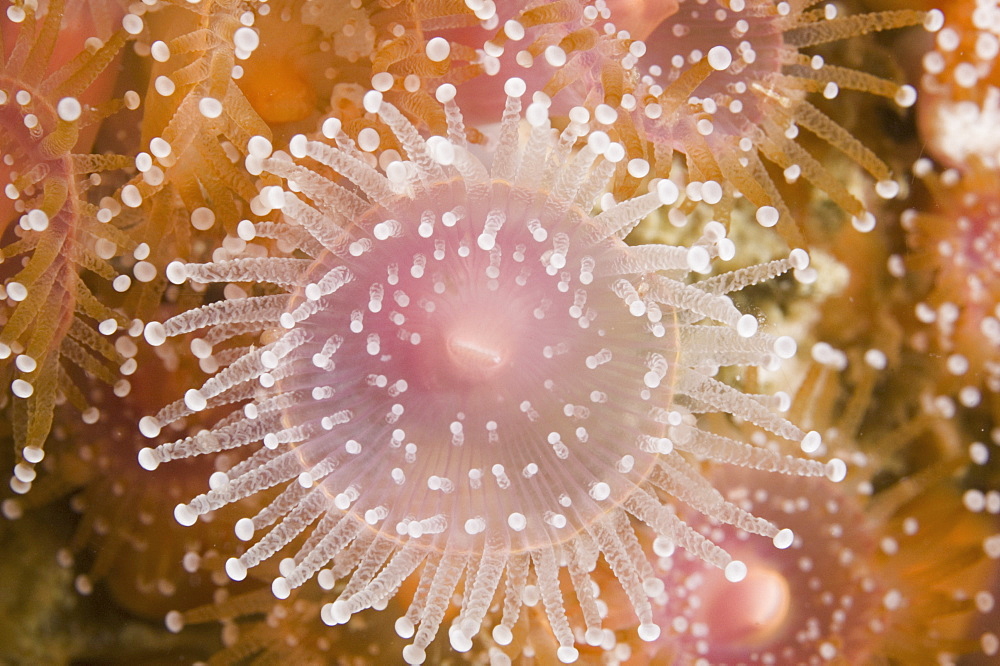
[466, 375]
[469, 345]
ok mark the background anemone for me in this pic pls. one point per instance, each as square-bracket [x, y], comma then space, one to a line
[54, 324]
[730, 84]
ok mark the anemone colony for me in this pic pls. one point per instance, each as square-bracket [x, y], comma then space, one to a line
[458, 332]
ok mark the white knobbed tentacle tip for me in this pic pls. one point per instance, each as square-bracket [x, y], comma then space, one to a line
[404, 628]
[887, 189]
[235, 569]
[726, 249]
[593, 637]
[177, 272]
[785, 347]
[437, 49]
[567, 654]
[149, 427]
[297, 146]
[445, 93]
[414, 655]
[470, 628]
[184, 515]
[218, 481]
[649, 632]
[174, 622]
[836, 470]
[154, 333]
[906, 96]
[934, 20]
[331, 127]
[339, 612]
[69, 109]
[502, 635]
[865, 223]
[811, 442]
[746, 327]
[767, 216]
[201, 348]
[254, 165]
[280, 588]
[210, 107]
[599, 142]
[698, 259]
[459, 641]
[719, 58]
[783, 539]
[325, 614]
[246, 230]
[515, 87]
[799, 259]
[615, 153]
[486, 241]
[244, 529]
[653, 587]
[194, 400]
[735, 571]
[372, 101]
[259, 147]
[441, 150]
[147, 459]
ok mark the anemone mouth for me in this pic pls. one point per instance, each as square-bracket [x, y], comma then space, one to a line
[478, 352]
[757, 613]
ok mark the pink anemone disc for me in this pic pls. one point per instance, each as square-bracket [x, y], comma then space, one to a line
[464, 371]
[819, 600]
[732, 81]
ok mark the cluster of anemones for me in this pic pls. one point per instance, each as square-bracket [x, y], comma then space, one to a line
[355, 285]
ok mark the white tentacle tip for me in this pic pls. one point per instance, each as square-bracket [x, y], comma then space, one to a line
[155, 333]
[235, 569]
[649, 632]
[404, 628]
[746, 327]
[147, 459]
[783, 539]
[735, 571]
[501, 634]
[567, 654]
[174, 622]
[177, 272]
[811, 442]
[149, 427]
[194, 400]
[184, 515]
[836, 470]
[244, 529]
[414, 655]
[280, 588]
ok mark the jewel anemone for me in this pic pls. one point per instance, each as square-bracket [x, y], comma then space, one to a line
[953, 248]
[56, 247]
[732, 80]
[960, 86]
[462, 373]
[194, 116]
